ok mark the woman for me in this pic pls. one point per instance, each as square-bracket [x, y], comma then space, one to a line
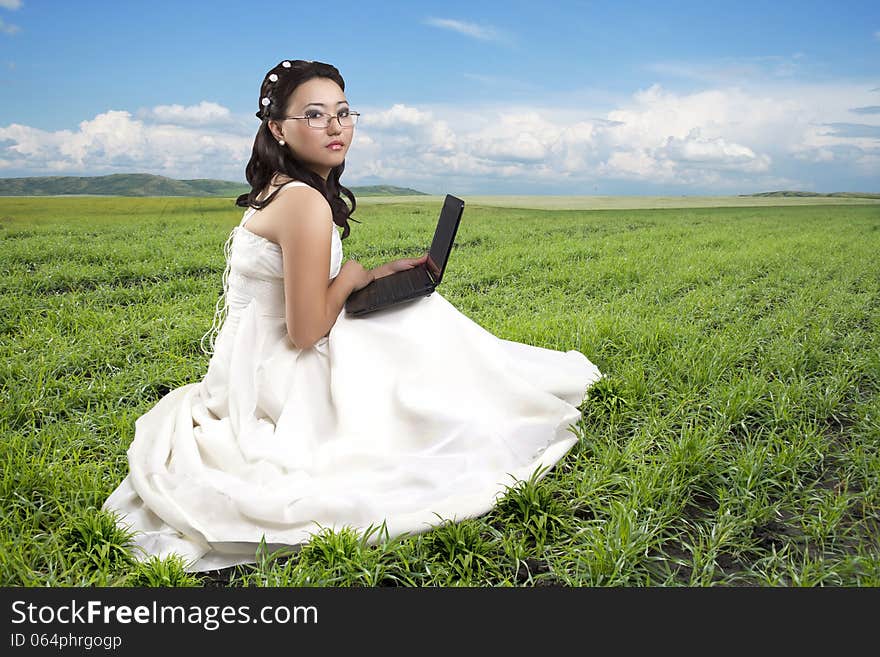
[308, 418]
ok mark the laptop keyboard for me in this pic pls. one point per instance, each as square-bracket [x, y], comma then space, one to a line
[409, 282]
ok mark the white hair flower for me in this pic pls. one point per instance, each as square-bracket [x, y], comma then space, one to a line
[264, 102]
[285, 64]
[273, 78]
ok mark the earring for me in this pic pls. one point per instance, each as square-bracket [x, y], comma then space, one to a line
[281, 142]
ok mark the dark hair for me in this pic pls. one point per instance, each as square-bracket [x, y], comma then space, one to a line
[268, 157]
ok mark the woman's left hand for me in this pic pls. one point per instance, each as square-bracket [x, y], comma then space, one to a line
[403, 264]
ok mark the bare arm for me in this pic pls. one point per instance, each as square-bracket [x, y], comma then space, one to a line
[381, 270]
[312, 302]
[397, 265]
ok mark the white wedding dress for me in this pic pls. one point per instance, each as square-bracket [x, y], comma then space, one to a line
[410, 416]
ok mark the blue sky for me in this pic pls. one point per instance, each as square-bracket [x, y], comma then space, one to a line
[459, 97]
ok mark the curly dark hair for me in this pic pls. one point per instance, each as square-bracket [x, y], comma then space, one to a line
[268, 158]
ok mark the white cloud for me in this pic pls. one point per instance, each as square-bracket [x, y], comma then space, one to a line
[695, 149]
[655, 141]
[724, 140]
[115, 142]
[484, 33]
[694, 138]
[732, 139]
[203, 114]
[10, 4]
[8, 28]
[399, 117]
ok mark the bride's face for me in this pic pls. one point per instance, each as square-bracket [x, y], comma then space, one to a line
[312, 145]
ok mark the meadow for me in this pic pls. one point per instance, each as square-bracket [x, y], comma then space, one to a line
[734, 440]
[594, 202]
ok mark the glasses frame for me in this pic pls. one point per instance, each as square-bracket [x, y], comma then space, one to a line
[329, 120]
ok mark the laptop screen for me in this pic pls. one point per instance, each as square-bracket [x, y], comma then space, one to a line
[444, 235]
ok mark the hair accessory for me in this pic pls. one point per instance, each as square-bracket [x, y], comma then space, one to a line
[266, 101]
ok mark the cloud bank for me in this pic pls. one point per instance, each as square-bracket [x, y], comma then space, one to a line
[722, 140]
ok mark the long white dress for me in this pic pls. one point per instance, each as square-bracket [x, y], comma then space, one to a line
[411, 415]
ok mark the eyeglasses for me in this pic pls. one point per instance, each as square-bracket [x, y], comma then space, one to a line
[346, 118]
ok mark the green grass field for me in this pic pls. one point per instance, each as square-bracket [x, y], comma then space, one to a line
[734, 441]
[629, 202]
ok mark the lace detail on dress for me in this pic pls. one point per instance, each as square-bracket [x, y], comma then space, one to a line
[221, 308]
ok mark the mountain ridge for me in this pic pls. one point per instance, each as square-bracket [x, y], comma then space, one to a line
[794, 193]
[146, 184]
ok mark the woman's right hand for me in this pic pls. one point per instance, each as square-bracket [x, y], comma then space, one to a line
[360, 277]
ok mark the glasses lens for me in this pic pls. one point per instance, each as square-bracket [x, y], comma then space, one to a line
[345, 119]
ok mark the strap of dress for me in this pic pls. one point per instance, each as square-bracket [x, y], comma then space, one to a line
[250, 211]
[221, 308]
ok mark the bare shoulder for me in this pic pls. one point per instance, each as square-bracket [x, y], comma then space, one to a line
[295, 209]
[304, 212]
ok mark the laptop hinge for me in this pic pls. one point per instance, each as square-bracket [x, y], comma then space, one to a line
[432, 269]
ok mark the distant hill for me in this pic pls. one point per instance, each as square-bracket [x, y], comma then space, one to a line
[386, 190]
[831, 194]
[145, 184]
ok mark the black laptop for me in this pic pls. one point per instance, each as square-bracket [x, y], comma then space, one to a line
[419, 281]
